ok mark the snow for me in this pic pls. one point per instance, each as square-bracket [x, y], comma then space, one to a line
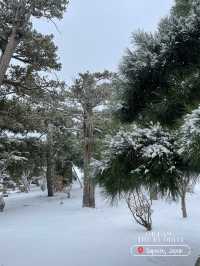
[190, 132]
[18, 158]
[36, 230]
[154, 150]
[145, 145]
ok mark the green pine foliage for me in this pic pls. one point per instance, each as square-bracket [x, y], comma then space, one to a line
[27, 83]
[141, 157]
[190, 139]
[182, 7]
[156, 71]
[22, 155]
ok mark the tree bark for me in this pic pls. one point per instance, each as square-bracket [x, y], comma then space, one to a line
[89, 187]
[183, 205]
[49, 176]
[2, 203]
[153, 193]
[50, 163]
[7, 54]
[88, 193]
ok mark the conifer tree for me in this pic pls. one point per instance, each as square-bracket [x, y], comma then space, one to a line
[182, 7]
[160, 74]
[17, 36]
[90, 90]
[27, 93]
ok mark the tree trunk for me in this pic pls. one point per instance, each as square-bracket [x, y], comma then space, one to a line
[49, 176]
[50, 163]
[2, 203]
[67, 178]
[67, 173]
[153, 193]
[89, 187]
[183, 205]
[7, 54]
[88, 193]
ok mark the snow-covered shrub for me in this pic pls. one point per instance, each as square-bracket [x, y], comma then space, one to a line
[190, 138]
[140, 157]
[189, 146]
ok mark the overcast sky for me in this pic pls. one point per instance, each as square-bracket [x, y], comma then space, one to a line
[94, 33]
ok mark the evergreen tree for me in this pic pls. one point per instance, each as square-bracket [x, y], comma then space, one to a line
[156, 72]
[24, 83]
[49, 119]
[17, 37]
[189, 141]
[21, 156]
[182, 7]
[27, 93]
[141, 157]
[90, 90]
[190, 138]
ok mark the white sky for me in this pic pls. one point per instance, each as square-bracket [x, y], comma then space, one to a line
[94, 33]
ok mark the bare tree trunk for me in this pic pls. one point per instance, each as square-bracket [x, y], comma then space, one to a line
[89, 187]
[88, 193]
[50, 163]
[184, 186]
[8, 53]
[183, 205]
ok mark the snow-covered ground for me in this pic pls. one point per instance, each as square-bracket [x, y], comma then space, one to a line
[38, 231]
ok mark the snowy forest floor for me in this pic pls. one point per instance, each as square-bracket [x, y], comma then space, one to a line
[39, 231]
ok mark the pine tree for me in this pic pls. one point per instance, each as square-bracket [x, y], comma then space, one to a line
[25, 83]
[21, 156]
[61, 132]
[90, 90]
[16, 29]
[139, 157]
[51, 120]
[182, 7]
[27, 93]
[190, 138]
[156, 72]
